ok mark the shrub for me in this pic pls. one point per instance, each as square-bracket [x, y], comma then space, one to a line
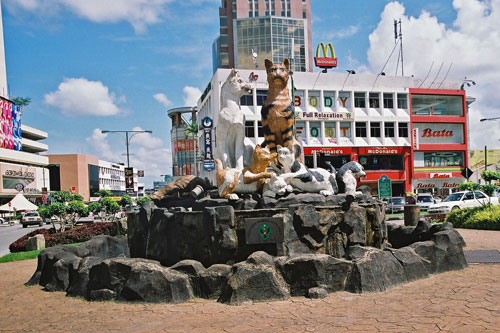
[126, 200]
[468, 186]
[489, 189]
[485, 217]
[77, 234]
[143, 200]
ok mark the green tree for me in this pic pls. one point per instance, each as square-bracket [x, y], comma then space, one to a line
[104, 193]
[77, 196]
[95, 207]
[21, 101]
[110, 206]
[61, 196]
[488, 175]
[469, 186]
[44, 212]
[58, 209]
[143, 200]
[489, 189]
[126, 200]
[192, 131]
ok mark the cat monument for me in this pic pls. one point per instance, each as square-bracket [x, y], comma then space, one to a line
[232, 148]
[277, 112]
[302, 178]
[347, 178]
[231, 181]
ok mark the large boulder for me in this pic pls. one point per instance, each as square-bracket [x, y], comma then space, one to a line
[36, 242]
[314, 270]
[254, 280]
[193, 269]
[80, 278]
[134, 279]
[374, 270]
[213, 280]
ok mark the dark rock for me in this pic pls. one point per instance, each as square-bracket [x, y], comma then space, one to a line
[104, 246]
[102, 295]
[316, 293]
[415, 267]
[251, 282]
[312, 270]
[336, 245]
[79, 281]
[400, 236]
[448, 254]
[377, 270]
[138, 230]
[225, 241]
[354, 225]
[140, 280]
[357, 252]
[194, 269]
[213, 280]
[260, 258]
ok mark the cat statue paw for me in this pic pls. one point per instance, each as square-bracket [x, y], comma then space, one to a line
[276, 185]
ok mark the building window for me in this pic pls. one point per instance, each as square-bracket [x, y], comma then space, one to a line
[223, 21]
[382, 162]
[402, 101]
[261, 96]
[373, 99]
[345, 129]
[442, 159]
[249, 129]
[375, 129]
[246, 100]
[388, 101]
[437, 105]
[223, 40]
[304, 14]
[403, 130]
[389, 131]
[359, 100]
[260, 131]
[360, 129]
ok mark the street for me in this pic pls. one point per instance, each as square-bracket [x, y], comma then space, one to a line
[9, 233]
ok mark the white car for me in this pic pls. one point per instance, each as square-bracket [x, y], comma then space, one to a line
[459, 200]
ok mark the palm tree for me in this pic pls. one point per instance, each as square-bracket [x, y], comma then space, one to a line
[21, 101]
[192, 131]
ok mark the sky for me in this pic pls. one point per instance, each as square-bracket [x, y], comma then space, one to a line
[121, 64]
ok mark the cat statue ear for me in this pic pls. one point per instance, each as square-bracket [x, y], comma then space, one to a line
[233, 73]
[286, 63]
[268, 64]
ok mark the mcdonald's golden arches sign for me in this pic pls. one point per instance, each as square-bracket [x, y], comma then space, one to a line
[328, 59]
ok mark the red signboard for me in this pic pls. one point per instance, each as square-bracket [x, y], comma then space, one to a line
[381, 150]
[325, 62]
[328, 60]
[328, 150]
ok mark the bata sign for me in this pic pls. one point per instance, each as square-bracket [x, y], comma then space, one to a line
[441, 175]
[438, 133]
[437, 182]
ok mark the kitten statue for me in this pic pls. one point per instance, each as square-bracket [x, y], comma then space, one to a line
[232, 180]
[346, 178]
[276, 185]
[304, 179]
[230, 131]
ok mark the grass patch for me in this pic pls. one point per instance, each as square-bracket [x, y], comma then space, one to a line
[16, 256]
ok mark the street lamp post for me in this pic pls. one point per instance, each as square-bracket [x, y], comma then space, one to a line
[486, 149]
[127, 139]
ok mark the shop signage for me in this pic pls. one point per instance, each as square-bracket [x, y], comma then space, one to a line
[345, 116]
[437, 183]
[381, 150]
[415, 141]
[439, 133]
[325, 61]
[208, 165]
[129, 179]
[19, 174]
[384, 187]
[207, 139]
[327, 150]
[207, 122]
[441, 175]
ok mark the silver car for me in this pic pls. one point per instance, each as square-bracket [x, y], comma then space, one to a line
[425, 200]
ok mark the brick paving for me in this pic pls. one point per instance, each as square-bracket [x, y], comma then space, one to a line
[459, 301]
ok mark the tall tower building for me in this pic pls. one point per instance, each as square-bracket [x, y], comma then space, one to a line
[3, 70]
[254, 30]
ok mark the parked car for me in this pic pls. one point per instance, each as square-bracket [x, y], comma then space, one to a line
[459, 200]
[395, 205]
[425, 200]
[31, 218]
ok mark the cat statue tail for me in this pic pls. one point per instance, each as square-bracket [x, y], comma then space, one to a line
[220, 172]
[332, 177]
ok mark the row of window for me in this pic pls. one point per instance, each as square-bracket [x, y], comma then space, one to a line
[345, 129]
[374, 100]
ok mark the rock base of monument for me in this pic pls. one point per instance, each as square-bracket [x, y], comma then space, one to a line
[297, 247]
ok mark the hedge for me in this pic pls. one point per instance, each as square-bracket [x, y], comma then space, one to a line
[78, 234]
[485, 217]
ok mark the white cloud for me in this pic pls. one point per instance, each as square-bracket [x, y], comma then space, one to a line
[147, 153]
[191, 95]
[81, 97]
[162, 99]
[471, 45]
[139, 13]
[341, 33]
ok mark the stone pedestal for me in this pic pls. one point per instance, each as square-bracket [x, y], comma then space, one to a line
[36, 242]
[412, 215]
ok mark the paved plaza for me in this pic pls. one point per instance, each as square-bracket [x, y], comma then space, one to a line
[459, 301]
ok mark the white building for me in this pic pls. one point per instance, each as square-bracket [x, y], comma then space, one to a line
[366, 118]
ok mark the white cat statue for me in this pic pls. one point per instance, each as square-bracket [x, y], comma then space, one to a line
[305, 179]
[276, 185]
[347, 175]
[230, 130]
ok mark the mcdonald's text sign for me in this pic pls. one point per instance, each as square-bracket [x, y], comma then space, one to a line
[328, 60]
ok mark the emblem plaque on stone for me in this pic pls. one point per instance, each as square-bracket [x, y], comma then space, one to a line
[260, 230]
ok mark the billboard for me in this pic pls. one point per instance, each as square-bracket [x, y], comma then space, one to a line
[10, 125]
[18, 178]
[129, 179]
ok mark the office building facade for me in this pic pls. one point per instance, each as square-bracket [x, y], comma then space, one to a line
[254, 30]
